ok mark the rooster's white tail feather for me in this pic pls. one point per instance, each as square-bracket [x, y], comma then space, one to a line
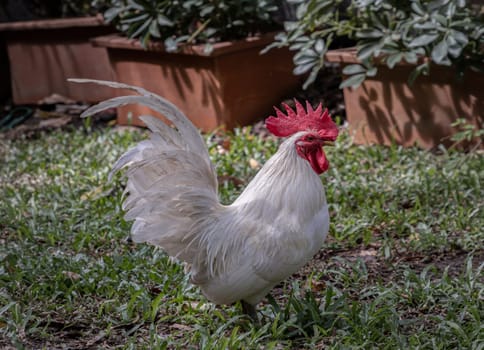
[171, 182]
[190, 135]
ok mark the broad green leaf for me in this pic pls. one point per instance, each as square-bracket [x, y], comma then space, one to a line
[301, 60]
[302, 39]
[369, 50]
[369, 34]
[111, 13]
[153, 30]
[354, 69]
[290, 26]
[440, 19]
[171, 45]
[371, 72]
[319, 47]
[312, 77]
[301, 69]
[392, 60]
[423, 40]
[451, 40]
[460, 37]
[440, 52]
[306, 53]
[410, 57]
[145, 38]
[140, 29]
[207, 10]
[210, 31]
[455, 50]
[426, 25]
[376, 22]
[421, 69]
[135, 5]
[207, 49]
[164, 21]
[417, 8]
[354, 81]
[301, 10]
[298, 46]
[141, 18]
[269, 47]
[436, 4]
[322, 6]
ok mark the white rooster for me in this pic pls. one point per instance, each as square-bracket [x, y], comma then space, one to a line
[235, 252]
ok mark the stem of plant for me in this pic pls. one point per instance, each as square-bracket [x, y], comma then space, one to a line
[198, 31]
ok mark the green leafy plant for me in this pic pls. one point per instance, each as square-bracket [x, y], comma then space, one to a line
[420, 32]
[467, 132]
[190, 22]
[82, 7]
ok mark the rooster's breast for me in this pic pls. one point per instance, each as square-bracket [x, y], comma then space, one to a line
[274, 251]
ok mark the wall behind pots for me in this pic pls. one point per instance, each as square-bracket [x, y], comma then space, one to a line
[5, 89]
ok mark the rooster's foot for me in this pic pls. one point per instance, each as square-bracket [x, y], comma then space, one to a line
[250, 310]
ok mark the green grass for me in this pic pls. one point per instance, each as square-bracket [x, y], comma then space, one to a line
[402, 268]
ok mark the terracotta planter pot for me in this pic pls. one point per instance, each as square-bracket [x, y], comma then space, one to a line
[44, 53]
[233, 85]
[385, 109]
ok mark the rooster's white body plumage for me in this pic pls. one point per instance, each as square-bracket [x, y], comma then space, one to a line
[235, 252]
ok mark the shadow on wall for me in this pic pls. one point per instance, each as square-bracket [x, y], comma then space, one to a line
[388, 109]
[186, 81]
[5, 88]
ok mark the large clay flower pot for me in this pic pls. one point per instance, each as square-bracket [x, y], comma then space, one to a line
[43, 54]
[386, 110]
[232, 85]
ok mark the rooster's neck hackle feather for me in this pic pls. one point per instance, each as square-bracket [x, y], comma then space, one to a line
[284, 177]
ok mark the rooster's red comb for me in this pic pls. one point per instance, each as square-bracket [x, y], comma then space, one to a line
[302, 120]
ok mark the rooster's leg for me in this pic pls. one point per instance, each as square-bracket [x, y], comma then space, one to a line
[249, 310]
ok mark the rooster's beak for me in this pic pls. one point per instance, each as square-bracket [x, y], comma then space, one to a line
[328, 143]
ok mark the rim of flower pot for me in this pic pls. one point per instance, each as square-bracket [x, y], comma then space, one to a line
[56, 23]
[117, 41]
[348, 55]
